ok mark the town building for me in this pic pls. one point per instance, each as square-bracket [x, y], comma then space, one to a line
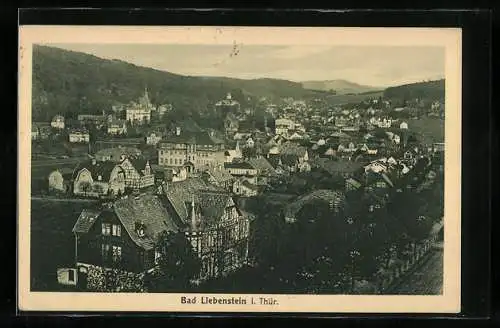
[60, 180]
[227, 105]
[196, 149]
[153, 138]
[97, 179]
[57, 122]
[79, 136]
[117, 127]
[217, 228]
[231, 124]
[122, 235]
[116, 154]
[139, 113]
[220, 177]
[242, 170]
[90, 119]
[283, 126]
[138, 172]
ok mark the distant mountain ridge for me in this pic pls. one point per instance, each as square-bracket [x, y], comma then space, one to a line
[70, 83]
[67, 82]
[339, 86]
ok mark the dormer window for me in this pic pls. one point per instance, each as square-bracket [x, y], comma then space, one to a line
[140, 229]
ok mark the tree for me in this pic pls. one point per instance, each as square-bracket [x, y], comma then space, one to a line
[85, 186]
[177, 265]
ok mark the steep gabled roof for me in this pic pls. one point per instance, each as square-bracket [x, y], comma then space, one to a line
[102, 169]
[148, 210]
[85, 221]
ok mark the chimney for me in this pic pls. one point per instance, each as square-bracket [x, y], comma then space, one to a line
[177, 130]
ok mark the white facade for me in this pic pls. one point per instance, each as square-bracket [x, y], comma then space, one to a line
[57, 122]
[153, 139]
[283, 125]
[79, 137]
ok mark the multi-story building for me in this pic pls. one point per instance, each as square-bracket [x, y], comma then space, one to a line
[57, 122]
[283, 126]
[117, 127]
[214, 224]
[79, 136]
[195, 150]
[123, 235]
[139, 113]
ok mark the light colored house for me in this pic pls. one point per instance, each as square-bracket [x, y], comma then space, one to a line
[202, 149]
[250, 143]
[403, 126]
[79, 136]
[116, 154]
[242, 187]
[138, 113]
[283, 125]
[232, 154]
[57, 122]
[117, 127]
[153, 138]
[95, 179]
[60, 180]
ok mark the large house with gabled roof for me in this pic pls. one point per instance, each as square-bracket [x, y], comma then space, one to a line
[96, 179]
[123, 235]
[194, 150]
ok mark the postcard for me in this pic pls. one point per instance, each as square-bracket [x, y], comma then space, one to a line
[239, 169]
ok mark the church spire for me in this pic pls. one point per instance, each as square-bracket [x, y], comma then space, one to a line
[193, 214]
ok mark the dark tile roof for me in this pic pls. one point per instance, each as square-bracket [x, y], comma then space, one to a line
[289, 159]
[146, 209]
[240, 165]
[192, 137]
[334, 167]
[210, 200]
[220, 175]
[139, 163]
[262, 165]
[100, 168]
[85, 221]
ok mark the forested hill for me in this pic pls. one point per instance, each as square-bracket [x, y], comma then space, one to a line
[67, 82]
[430, 90]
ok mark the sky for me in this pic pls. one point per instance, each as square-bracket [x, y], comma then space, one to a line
[378, 66]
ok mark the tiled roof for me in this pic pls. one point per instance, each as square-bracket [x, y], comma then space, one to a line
[139, 163]
[191, 137]
[263, 165]
[220, 175]
[290, 148]
[146, 209]
[240, 165]
[334, 167]
[210, 200]
[85, 221]
[102, 169]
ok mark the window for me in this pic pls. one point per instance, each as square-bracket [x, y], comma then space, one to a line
[117, 230]
[117, 253]
[106, 229]
[105, 252]
[157, 256]
[71, 275]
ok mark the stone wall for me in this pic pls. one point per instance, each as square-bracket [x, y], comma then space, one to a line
[111, 280]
